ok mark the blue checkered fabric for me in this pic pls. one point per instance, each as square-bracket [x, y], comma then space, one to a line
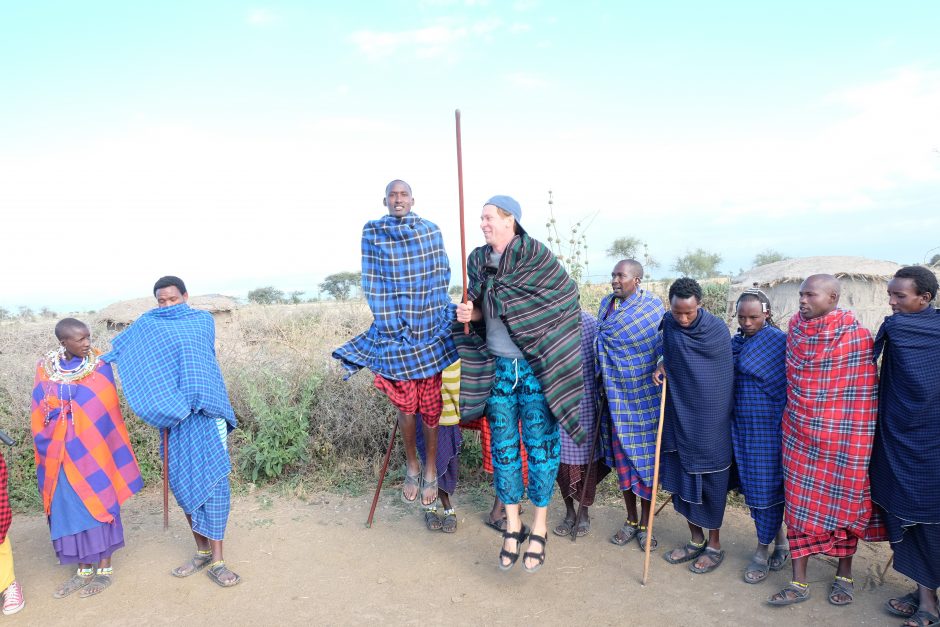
[572, 453]
[627, 338]
[767, 520]
[405, 276]
[171, 379]
[905, 460]
[760, 396]
[210, 518]
[700, 397]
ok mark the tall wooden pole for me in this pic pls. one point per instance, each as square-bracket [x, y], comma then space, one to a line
[659, 441]
[378, 488]
[463, 236]
[166, 479]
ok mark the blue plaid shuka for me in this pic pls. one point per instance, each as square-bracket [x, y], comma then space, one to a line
[405, 276]
[760, 396]
[627, 338]
[171, 379]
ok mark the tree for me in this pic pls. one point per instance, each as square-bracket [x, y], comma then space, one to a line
[935, 260]
[768, 256]
[45, 312]
[295, 297]
[266, 295]
[341, 284]
[625, 248]
[698, 264]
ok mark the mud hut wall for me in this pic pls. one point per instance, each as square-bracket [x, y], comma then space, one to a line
[868, 298]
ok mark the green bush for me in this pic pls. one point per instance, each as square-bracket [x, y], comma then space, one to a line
[276, 435]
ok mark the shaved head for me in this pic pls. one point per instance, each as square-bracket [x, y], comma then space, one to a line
[819, 295]
[633, 266]
[67, 326]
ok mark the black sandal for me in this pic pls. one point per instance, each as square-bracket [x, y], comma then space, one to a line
[540, 556]
[520, 537]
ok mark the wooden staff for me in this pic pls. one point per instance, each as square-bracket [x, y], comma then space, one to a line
[659, 441]
[463, 237]
[587, 475]
[378, 488]
[166, 479]
[663, 506]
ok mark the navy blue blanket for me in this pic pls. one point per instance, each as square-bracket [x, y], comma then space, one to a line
[905, 461]
[700, 392]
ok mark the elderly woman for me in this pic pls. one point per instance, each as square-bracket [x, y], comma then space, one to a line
[84, 462]
[520, 365]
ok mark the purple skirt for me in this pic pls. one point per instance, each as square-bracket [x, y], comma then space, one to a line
[92, 545]
[448, 451]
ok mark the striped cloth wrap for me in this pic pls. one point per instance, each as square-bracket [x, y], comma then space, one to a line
[538, 302]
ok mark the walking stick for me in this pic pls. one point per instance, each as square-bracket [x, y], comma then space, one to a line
[378, 488]
[587, 475]
[166, 479]
[463, 237]
[663, 506]
[659, 441]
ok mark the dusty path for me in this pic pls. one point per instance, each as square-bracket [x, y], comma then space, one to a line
[313, 562]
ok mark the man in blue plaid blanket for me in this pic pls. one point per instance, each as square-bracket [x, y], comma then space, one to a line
[171, 379]
[405, 276]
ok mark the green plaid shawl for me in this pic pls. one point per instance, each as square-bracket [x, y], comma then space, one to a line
[538, 302]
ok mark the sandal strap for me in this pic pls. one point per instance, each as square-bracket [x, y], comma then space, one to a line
[797, 584]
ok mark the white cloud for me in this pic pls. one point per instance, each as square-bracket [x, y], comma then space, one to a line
[438, 40]
[525, 80]
[261, 17]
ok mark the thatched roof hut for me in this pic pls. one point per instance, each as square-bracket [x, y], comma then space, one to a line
[120, 315]
[864, 285]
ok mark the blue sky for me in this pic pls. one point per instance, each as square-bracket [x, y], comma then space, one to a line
[243, 144]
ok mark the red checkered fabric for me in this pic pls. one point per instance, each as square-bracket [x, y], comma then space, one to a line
[6, 514]
[486, 438]
[828, 430]
[415, 396]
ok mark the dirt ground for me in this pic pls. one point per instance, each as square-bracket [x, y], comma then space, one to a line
[314, 562]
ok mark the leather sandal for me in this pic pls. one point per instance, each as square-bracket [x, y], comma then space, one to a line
[540, 556]
[520, 537]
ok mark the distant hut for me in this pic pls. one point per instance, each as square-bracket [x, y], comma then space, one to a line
[864, 285]
[120, 315]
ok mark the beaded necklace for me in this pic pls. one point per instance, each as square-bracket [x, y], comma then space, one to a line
[62, 377]
[52, 364]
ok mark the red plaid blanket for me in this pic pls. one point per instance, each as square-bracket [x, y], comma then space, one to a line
[829, 424]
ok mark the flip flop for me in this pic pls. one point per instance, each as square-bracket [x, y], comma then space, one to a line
[217, 569]
[584, 528]
[690, 551]
[428, 485]
[800, 594]
[923, 618]
[432, 521]
[641, 539]
[778, 559]
[97, 584]
[626, 533]
[564, 527]
[715, 556]
[756, 566]
[844, 586]
[75, 582]
[414, 480]
[498, 525]
[196, 563]
[911, 598]
[449, 522]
